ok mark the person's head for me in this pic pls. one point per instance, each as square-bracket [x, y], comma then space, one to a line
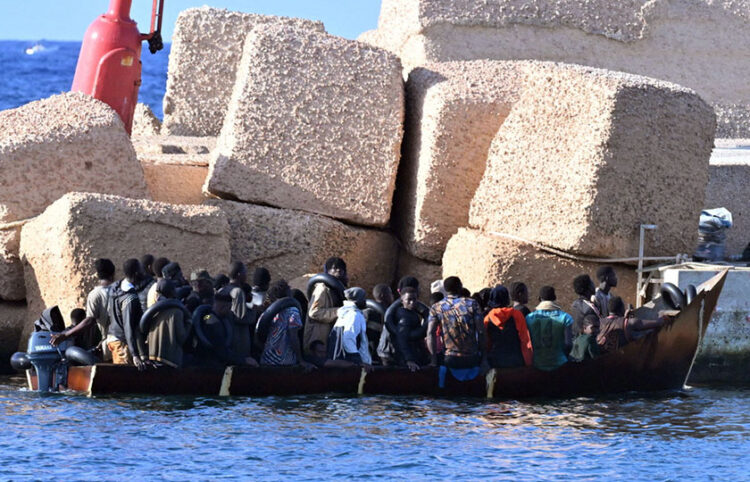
[238, 272]
[220, 281]
[465, 293]
[519, 292]
[105, 269]
[165, 289]
[318, 349]
[453, 286]
[547, 293]
[409, 298]
[499, 297]
[133, 270]
[616, 306]
[584, 286]
[336, 267]
[483, 297]
[147, 260]
[591, 325]
[383, 294]
[77, 316]
[201, 281]
[436, 297]
[408, 282]
[607, 277]
[222, 304]
[278, 290]
[358, 296]
[261, 279]
[158, 266]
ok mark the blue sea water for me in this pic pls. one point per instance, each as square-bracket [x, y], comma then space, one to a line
[28, 75]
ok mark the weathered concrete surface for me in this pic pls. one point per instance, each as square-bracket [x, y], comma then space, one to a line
[424, 271]
[725, 352]
[11, 270]
[696, 43]
[588, 155]
[68, 142]
[454, 111]
[157, 144]
[206, 50]
[727, 183]
[12, 319]
[482, 260]
[58, 247]
[315, 123]
[145, 122]
[294, 243]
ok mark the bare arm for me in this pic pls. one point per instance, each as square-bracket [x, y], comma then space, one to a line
[71, 332]
[432, 327]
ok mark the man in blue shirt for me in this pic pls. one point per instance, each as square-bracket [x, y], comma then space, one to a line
[550, 330]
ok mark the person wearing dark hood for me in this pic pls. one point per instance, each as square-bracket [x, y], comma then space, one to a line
[324, 305]
[348, 338]
[168, 331]
[519, 294]
[508, 339]
[203, 290]
[584, 307]
[125, 340]
[607, 280]
[220, 282]
[158, 267]
[261, 283]
[213, 324]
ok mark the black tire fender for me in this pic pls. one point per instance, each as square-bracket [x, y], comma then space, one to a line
[334, 284]
[81, 357]
[673, 297]
[20, 361]
[148, 317]
[265, 320]
[690, 293]
[198, 315]
[390, 314]
[376, 307]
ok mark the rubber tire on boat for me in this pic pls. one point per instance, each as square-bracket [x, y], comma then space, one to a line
[334, 284]
[690, 293]
[20, 361]
[422, 309]
[303, 302]
[673, 297]
[198, 315]
[148, 317]
[81, 357]
[265, 320]
[376, 307]
[182, 292]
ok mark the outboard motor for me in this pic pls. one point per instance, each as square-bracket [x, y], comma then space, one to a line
[48, 361]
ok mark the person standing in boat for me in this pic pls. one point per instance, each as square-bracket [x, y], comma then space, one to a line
[519, 294]
[348, 338]
[585, 305]
[607, 280]
[203, 290]
[324, 304]
[214, 325]
[411, 331]
[241, 340]
[158, 267]
[550, 331]
[462, 327]
[508, 339]
[124, 339]
[282, 345]
[169, 330]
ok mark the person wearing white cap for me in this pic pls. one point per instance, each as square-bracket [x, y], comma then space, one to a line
[348, 338]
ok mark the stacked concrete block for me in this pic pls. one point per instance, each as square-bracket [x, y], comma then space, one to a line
[587, 155]
[206, 50]
[454, 111]
[58, 247]
[424, 271]
[315, 123]
[68, 142]
[145, 122]
[292, 243]
[699, 43]
[482, 260]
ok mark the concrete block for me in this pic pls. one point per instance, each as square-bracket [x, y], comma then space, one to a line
[424, 271]
[291, 243]
[315, 123]
[11, 270]
[58, 247]
[482, 261]
[145, 122]
[68, 142]
[206, 50]
[587, 155]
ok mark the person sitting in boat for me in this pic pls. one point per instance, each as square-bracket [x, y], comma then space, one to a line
[89, 338]
[460, 321]
[348, 338]
[319, 358]
[96, 306]
[168, 331]
[607, 280]
[242, 320]
[220, 282]
[282, 344]
[584, 306]
[519, 294]
[124, 339]
[508, 339]
[259, 289]
[550, 331]
[482, 297]
[324, 304]
[585, 346]
[383, 296]
[214, 327]
[203, 290]
[158, 268]
[621, 327]
[411, 331]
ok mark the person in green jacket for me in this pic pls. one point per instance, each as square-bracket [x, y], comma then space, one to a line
[550, 330]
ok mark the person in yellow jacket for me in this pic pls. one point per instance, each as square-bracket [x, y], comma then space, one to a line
[324, 305]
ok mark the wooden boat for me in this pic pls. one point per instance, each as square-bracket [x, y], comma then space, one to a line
[660, 360]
